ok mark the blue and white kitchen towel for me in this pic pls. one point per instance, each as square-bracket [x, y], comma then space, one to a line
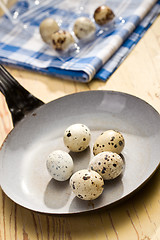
[21, 44]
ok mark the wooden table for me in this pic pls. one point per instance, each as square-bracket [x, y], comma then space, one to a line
[138, 218]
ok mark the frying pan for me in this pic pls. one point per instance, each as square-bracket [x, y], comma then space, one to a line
[39, 130]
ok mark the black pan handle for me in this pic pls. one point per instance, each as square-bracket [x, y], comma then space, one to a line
[18, 99]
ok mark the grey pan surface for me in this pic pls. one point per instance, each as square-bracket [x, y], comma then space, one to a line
[23, 174]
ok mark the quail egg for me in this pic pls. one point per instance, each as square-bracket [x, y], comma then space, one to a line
[84, 28]
[61, 40]
[103, 15]
[46, 28]
[87, 184]
[77, 137]
[108, 164]
[110, 140]
[60, 165]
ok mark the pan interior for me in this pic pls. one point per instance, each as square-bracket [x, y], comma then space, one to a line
[24, 176]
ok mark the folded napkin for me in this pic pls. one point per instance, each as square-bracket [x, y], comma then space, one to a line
[22, 46]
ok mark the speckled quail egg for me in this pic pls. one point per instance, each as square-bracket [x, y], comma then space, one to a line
[110, 140]
[46, 28]
[87, 184]
[103, 15]
[84, 28]
[60, 165]
[108, 164]
[77, 137]
[61, 40]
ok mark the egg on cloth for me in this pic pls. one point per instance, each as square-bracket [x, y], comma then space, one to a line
[87, 184]
[62, 40]
[103, 15]
[60, 165]
[77, 137]
[47, 27]
[109, 140]
[84, 28]
[108, 164]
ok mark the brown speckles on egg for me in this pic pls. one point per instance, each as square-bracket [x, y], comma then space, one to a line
[110, 140]
[103, 15]
[61, 40]
[87, 183]
[80, 196]
[86, 177]
[110, 167]
[103, 170]
[77, 137]
[98, 10]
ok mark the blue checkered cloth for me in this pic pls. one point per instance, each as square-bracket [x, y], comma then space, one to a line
[22, 46]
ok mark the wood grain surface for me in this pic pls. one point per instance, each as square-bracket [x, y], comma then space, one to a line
[137, 218]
